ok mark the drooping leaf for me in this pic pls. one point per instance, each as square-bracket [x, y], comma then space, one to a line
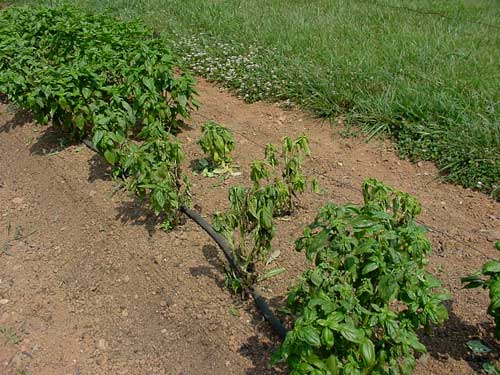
[477, 347]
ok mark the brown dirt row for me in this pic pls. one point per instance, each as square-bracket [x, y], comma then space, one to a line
[89, 286]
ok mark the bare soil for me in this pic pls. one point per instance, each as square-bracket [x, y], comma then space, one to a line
[89, 285]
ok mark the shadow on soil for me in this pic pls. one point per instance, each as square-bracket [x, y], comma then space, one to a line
[99, 169]
[259, 350]
[50, 142]
[458, 332]
[260, 347]
[133, 211]
[215, 268]
[20, 118]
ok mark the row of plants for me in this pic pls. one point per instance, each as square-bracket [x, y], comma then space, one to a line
[359, 307]
[94, 76]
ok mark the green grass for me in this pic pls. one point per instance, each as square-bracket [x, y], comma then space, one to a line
[426, 72]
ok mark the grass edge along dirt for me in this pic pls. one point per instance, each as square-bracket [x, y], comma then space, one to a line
[428, 78]
[358, 309]
[93, 75]
[428, 119]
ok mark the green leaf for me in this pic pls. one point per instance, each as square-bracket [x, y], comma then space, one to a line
[362, 223]
[98, 134]
[159, 199]
[182, 99]
[415, 343]
[310, 336]
[490, 368]
[491, 267]
[272, 273]
[316, 277]
[86, 92]
[334, 320]
[327, 337]
[495, 302]
[332, 365]
[477, 347]
[351, 334]
[472, 281]
[369, 268]
[316, 362]
[149, 83]
[318, 242]
[266, 218]
[387, 288]
[110, 156]
[315, 186]
[80, 122]
[368, 351]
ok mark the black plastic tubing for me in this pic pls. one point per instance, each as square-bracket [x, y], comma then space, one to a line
[226, 249]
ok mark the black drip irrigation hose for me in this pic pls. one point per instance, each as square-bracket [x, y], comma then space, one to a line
[221, 241]
[226, 249]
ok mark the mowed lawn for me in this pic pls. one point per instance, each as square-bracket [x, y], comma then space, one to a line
[426, 72]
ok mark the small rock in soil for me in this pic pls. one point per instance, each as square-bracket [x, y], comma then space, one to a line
[17, 200]
[493, 237]
[102, 344]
